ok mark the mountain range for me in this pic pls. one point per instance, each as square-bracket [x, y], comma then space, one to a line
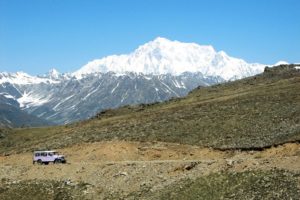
[154, 72]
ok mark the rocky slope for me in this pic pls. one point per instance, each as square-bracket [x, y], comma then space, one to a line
[12, 116]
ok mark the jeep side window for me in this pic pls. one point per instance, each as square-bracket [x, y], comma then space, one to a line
[50, 154]
[37, 154]
[43, 154]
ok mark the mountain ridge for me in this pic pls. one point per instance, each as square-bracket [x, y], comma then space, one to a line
[156, 71]
[159, 56]
[71, 99]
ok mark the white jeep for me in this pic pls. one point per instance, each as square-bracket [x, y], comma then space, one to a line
[44, 157]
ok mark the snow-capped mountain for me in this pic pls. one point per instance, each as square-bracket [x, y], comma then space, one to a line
[162, 56]
[155, 71]
[281, 63]
[22, 78]
[74, 99]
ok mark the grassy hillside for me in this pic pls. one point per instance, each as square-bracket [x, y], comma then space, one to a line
[256, 112]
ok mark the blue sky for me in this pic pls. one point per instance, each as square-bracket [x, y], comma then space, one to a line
[37, 35]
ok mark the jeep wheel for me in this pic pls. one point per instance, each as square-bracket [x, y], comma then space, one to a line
[39, 161]
[57, 161]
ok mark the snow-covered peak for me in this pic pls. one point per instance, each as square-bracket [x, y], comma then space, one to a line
[162, 56]
[22, 78]
[281, 63]
[54, 74]
[161, 41]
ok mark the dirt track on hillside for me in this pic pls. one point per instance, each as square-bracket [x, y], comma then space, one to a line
[125, 167]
